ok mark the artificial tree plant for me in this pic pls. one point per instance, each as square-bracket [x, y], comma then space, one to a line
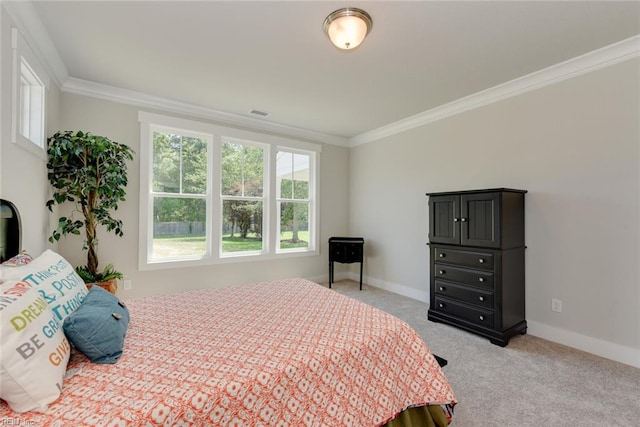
[90, 171]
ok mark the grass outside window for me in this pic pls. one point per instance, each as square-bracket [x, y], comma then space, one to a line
[179, 246]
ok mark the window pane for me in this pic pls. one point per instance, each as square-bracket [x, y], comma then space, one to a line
[294, 225]
[242, 170]
[179, 164]
[25, 99]
[31, 105]
[253, 171]
[179, 227]
[36, 105]
[241, 226]
[293, 176]
[284, 163]
[166, 162]
[300, 176]
[194, 165]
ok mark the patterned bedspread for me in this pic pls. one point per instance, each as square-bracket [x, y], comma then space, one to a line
[280, 353]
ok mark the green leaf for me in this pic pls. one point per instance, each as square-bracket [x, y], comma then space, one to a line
[90, 172]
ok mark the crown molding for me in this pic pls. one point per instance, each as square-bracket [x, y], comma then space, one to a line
[26, 19]
[597, 59]
[126, 96]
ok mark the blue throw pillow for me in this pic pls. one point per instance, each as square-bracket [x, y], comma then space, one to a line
[97, 328]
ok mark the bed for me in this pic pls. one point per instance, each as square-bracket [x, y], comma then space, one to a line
[277, 353]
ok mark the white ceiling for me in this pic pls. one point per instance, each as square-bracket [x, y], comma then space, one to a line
[232, 56]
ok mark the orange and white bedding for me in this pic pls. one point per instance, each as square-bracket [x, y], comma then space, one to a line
[281, 353]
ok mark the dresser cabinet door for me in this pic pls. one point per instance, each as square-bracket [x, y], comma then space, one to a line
[444, 219]
[480, 220]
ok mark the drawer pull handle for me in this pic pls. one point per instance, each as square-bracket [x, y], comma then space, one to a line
[442, 255]
[456, 219]
[441, 288]
[481, 317]
[481, 298]
[463, 219]
[441, 305]
[441, 272]
[481, 261]
[481, 279]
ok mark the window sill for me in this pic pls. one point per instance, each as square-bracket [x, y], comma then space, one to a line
[208, 261]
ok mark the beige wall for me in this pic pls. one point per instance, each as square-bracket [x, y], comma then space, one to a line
[120, 123]
[23, 174]
[575, 147]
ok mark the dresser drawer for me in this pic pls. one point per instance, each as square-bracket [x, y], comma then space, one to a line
[482, 260]
[481, 279]
[346, 252]
[463, 311]
[461, 293]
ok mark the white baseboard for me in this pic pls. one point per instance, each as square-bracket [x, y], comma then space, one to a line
[405, 291]
[606, 349]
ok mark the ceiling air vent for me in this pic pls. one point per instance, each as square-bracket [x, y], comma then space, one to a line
[259, 113]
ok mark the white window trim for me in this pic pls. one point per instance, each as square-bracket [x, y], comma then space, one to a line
[22, 52]
[313, 200]
[149, 121]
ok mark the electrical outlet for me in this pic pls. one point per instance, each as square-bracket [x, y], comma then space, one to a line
[127, 284]
[556, 305]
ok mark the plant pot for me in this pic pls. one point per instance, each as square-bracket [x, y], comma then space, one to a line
[109, 285]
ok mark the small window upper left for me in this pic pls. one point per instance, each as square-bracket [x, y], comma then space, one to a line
[29, 87]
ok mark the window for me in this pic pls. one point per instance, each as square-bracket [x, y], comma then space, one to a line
[216, 194]
[31, 105]
[28, 92]
[241, 197]
[179, 194]
[294, 200]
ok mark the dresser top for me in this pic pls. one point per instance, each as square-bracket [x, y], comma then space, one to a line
[487, 190]
[346, 240]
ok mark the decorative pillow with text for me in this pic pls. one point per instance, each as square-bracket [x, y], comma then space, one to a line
[56, 281]
[35, 351]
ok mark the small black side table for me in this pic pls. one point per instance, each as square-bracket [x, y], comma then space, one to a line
[345, 250]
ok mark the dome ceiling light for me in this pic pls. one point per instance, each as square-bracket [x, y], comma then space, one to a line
[347, 27]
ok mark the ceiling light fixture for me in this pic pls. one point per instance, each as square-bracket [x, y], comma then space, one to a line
[347, 27]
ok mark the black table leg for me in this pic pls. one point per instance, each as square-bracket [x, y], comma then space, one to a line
[330, 273]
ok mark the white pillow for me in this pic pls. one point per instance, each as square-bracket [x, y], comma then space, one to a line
[35, 351]
[22, 258]
[55, 279]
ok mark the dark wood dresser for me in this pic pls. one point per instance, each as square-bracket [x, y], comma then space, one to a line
[345, 250]
[477, 280]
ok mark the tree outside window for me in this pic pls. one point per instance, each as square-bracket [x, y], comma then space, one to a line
[242, 185]
[179, 189]
[293, 199]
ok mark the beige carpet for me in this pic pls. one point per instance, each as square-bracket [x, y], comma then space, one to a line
[531, 382]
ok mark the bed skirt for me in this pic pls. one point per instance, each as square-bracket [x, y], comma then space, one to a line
[422, 416]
